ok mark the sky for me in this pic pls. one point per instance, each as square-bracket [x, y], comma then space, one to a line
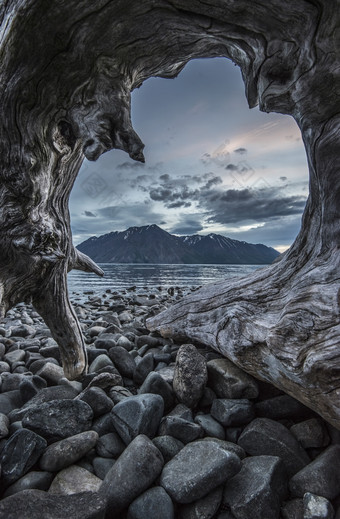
[212, 165]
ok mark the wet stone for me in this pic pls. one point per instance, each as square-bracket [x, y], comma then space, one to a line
[168, 446]
[32, 480]
[258, 490]
[110, 445]
[29, 504]
[155, 384]
[232, 412]
[266, 437]
[316, 507]
[184, 430]
[19, 454]
[320, 477]
[190, 376]
[59, 419]
[136, 415]
[133, 473]
[155, 503]
[197, 469]
[98, 400]
[65, 452]
[229, 381]
[74, 480]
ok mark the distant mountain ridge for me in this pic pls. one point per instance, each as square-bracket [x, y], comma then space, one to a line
[151, 244]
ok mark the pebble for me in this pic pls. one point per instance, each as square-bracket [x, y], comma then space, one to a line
[101, 466]
[133, 473]
[65, 452]
[35, 479]
[154, 383]
[140, 414]
[316, 507]
[58, 419]
[74, 480]
[98, 400]
[110, 445]
[154, 503]
[190, 376]
[311, 433]
[168, 446]
[210, 426]
[4, 424]
[30, 504]
[184, 430]
[231, 412]
[320, 477]
[123, 361]
[229, 381]
[21, 451]
[204, 508]
[257, 491]
[266, 437]
[143, 368]
[197, 469]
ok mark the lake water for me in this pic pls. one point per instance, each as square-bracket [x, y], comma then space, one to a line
[125, 275]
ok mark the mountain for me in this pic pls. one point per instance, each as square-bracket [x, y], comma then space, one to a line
[151, 244]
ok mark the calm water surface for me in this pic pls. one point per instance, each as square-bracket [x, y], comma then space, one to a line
[121, 276]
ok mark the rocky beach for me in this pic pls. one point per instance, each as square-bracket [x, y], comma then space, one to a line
[157, 429]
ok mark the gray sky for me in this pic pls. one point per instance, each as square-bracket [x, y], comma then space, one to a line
[212, 165]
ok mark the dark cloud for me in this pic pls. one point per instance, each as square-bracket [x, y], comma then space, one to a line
[175, 205]
[241, 151]
[237, 206]
[165, 177]
[188, 225]
[231, 167]
[283, 179]
[130, 165]
[90, 214]
[170, 194]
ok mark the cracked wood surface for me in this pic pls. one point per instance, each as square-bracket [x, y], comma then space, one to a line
[67, 70]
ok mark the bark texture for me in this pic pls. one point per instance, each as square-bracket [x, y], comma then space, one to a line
[67, 70]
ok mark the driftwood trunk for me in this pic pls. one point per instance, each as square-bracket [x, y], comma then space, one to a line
[67, 69]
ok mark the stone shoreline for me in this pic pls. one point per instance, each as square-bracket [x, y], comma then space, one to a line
[156, 429]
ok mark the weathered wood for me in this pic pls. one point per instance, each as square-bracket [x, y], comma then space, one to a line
[67, 69]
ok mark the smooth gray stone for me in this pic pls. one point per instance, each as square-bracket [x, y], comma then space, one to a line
[184, 430]
[30, 386]
[123, 361]
[182, 411]
[124, 342]
[103, 424]
[232, 412]
[320, 477]
[10, 381]
[110, 445]
[316, 507]
[311, 433]
[73, 480]
[98, 400]
[22, 330]
[292, 509]
[14, 356]
[32, 480]
[4, 367]
[257, 491]
[168, 446]
[100, 362]
[51, 373]
[143, 368]
[36, 504]
[133, 473]
[155, 384]
[266, 437]
[197, 469]
[59, 419]
[152, 342]
[140, 414]
[154, 503]
[282, 406]
[20, 453]
[102, 466]
[229, 381]
[63, 453]
[228, 446]
[190, 376]
[119, 393]
[206, 507]
[10, 401]
[210, 426]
